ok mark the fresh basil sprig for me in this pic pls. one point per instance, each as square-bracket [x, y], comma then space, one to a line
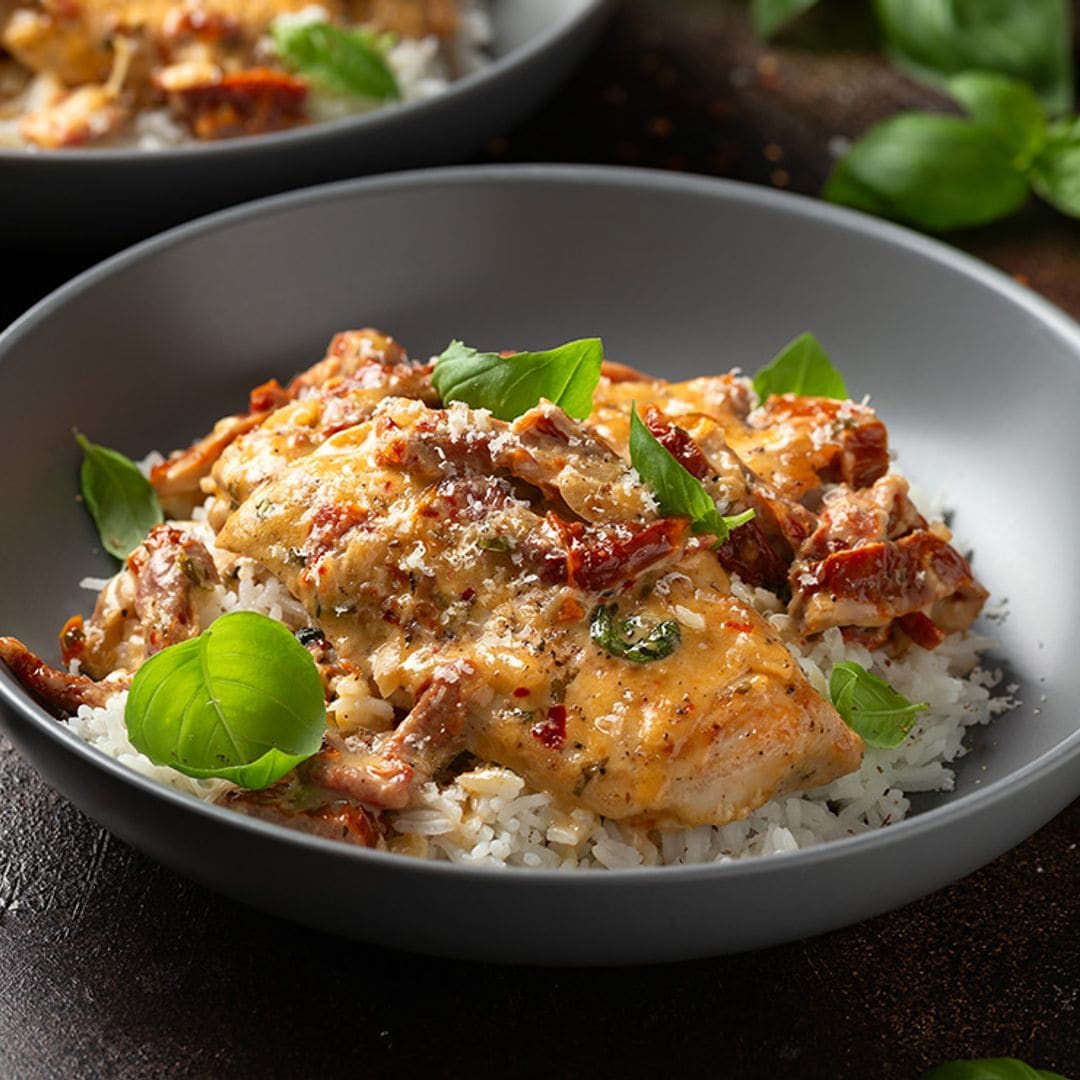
[933, 40]
[1026, 39]
[871, 706]
[511, 385]
[120, 499]
[349, 62]
[622, 639]
[989, 1069]
[243, 701]
[801, 367]
[679, 493]
[943, 172]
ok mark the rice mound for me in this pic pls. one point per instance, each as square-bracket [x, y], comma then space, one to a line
[489, 817]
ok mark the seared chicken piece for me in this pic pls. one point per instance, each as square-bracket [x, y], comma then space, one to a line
[830, 527]
[309, 808]
[360, 368]
[432, 548]
[59, 691]
[151, 604]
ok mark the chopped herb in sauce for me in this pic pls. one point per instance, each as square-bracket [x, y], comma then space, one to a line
[629, 639]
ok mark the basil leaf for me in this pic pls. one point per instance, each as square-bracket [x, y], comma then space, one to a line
[989, 1069]
[933, 172]
[1055, 173]
[120, 499]
[511, 385]
[622, 640]
[243, 701]
[349, 62]
[769, 15]
[871, 706]
[1006, 107]
[801, 367]
[679, 493]
[1028, 39]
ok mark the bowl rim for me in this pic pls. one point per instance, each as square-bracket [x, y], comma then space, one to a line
[373, 120]
[1059, 757]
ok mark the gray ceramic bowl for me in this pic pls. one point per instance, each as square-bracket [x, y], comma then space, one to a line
[680, 276]
[103, 199]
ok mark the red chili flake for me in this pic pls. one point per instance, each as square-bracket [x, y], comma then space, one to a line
[329, 523]
[552, 731]
[522, 691]
[468, 594]
[392, 452]
[741, 627]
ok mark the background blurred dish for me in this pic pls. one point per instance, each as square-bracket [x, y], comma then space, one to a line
[679, 276]
[104, 198]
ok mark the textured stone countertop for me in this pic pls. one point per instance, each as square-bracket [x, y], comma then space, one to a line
[111, 965]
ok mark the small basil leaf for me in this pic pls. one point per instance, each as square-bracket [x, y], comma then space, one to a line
[623, 640]
[989, 1069]
[120, 499]
[871, 706]
[511, 385]
[801, 367]
[934, 172]
[1055, 173]
[243, 701]
[1006, 107]
[349, 62]
[770, 15]
[678, 493]
[1028, 39]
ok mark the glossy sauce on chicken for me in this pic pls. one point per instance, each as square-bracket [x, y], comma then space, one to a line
[454, 564]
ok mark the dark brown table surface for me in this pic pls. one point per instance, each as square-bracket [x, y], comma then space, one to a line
[113, 966]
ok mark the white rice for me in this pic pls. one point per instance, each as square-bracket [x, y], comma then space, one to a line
[490, 817]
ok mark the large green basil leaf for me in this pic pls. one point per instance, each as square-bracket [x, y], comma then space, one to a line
[1028, 39]
[511, 385]
[243, 701]
[934, 172]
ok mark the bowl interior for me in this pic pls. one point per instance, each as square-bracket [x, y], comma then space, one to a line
[679, 278]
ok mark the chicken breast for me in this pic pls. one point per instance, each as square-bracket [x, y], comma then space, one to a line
[448, 556]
